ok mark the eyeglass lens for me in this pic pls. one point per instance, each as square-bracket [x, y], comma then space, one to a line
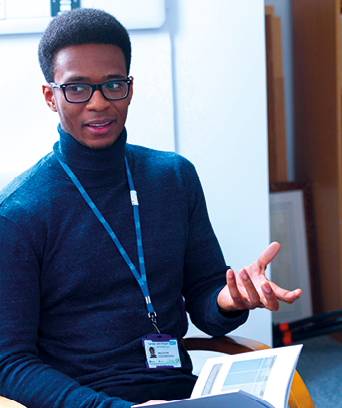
[81, 92]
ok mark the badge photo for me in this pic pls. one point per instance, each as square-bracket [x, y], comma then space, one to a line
[161, 351]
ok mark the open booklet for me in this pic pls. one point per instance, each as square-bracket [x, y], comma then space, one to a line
[250, 380]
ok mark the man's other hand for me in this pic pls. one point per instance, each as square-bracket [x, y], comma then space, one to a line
[7, 403]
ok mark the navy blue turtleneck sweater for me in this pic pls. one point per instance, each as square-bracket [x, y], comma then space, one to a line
[72, 314]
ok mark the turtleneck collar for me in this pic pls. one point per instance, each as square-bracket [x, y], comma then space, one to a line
[93, 167]
[78, 156]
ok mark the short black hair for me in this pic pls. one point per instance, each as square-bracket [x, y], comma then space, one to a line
[78, 27]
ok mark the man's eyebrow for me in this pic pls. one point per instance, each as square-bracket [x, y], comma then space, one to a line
[87, 79]
[117, 76]
[77, 79]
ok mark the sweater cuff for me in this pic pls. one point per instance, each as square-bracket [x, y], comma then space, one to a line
[221, 322]
[224, 313]
[231, 315]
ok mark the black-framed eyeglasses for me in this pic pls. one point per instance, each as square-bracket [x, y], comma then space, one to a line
[78, 92]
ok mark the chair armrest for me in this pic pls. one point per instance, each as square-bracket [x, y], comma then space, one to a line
[224, 344]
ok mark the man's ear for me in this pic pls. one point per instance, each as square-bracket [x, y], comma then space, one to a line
[130, 95]
[49, 97]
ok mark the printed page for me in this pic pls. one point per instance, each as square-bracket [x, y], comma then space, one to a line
[265, 374]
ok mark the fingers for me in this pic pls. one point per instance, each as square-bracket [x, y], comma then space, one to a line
[257, 294]
[268, 254]
[252, 295]
[264, 298]
[242, 290]
[284, 295]
[269, 298]
[248, 291]
[237, 299]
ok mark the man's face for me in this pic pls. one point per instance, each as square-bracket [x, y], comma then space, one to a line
[98, 122]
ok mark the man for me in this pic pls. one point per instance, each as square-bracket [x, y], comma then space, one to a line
[99, 241]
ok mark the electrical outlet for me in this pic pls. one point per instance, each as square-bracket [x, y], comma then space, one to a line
[60, 6]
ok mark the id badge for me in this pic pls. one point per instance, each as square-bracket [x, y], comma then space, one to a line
[161, 351]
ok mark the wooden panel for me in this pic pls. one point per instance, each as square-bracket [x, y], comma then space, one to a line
[316, 48]
[277, 154]
[271, 125]
[269, 10]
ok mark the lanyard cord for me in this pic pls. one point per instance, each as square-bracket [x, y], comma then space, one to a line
[140, 278]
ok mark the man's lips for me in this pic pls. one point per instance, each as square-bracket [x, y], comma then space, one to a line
[100, 123]
[100, 127]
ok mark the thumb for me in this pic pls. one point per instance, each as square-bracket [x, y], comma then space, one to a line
[268, 254]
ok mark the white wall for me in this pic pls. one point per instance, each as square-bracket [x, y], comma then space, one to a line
[25, 122]
[220, 94]
[216, 80]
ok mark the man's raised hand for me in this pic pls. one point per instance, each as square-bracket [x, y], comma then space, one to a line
[250, 289]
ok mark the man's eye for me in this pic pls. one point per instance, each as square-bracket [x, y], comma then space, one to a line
[77, 88]
[113, 86]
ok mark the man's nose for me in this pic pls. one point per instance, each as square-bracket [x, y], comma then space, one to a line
[98, 101]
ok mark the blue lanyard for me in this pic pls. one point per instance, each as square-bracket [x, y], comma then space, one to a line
[140, 278]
